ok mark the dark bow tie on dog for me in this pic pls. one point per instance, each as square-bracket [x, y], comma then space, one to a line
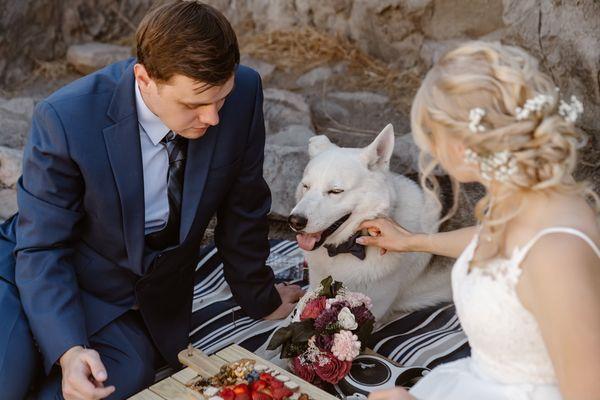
[349, 246]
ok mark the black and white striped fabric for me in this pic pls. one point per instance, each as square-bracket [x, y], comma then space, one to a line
[424, 338]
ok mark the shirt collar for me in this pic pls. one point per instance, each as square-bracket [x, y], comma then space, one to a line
[150, 123]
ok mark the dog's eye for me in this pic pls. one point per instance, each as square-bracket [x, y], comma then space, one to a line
[305, 186]
[335, 191]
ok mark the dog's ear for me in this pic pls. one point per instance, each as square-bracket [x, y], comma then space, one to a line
[377, 155]
[318, 144]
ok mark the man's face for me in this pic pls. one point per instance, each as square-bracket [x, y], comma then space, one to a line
[185, 106]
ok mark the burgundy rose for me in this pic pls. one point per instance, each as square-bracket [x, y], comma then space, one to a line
[362, 314]
[304, 371]
[324, 342]
[330, 369]
[313, 308]
[327, 317]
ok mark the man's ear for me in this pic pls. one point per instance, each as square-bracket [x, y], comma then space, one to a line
[318, 144]
[377, 155]
[141, 76]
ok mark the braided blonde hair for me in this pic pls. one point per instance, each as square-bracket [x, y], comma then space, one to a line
[498, 79]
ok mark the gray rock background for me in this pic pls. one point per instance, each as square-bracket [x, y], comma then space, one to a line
[348, 92]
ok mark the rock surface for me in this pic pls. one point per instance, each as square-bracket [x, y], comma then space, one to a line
[46, 28]
[89, 57]
[10, 166]
[15, 120]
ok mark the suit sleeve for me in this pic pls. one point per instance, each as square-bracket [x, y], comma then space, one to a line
[49, 196]
[242, 228]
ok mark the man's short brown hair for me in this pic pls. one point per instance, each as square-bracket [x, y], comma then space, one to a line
[188, 38]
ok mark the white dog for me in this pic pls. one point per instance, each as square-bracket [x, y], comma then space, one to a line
[342, 187]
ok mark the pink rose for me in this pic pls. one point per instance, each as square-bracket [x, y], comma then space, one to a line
[330, 369]
[346, 346]
[304, 371]
[313, 308]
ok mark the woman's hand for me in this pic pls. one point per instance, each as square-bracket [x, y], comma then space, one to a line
[396, 393]
[387, 235]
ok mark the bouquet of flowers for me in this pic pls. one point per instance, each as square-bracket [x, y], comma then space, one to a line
[329, 328]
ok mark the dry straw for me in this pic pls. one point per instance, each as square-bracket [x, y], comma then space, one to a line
[302, 49]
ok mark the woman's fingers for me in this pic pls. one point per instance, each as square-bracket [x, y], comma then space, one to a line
[369, 240]
[376, 223]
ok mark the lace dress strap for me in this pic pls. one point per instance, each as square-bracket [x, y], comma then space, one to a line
[521, 253]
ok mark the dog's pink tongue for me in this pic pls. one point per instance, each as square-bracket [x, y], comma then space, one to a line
[306, 241]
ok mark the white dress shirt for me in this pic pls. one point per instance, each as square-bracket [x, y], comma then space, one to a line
[155, 164]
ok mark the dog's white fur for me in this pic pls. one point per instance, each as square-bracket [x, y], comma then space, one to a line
[396, 282]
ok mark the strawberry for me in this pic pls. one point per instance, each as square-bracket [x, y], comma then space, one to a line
[242, 392]
[260, 396]
[281, 393]
[227, 394]
[258, 385]
[276, 383]
[266, 377]
[241, 388]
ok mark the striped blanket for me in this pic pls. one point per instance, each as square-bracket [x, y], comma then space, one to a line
[422, 339]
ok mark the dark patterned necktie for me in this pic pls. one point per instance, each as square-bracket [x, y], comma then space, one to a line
[169, 236]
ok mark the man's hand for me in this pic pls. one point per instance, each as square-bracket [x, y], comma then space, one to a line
[83, 375]
[290, 294]
[396, 393]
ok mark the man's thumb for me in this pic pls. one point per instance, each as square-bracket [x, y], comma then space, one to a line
[96, 366]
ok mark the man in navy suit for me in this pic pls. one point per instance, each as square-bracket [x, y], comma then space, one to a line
[123, 170]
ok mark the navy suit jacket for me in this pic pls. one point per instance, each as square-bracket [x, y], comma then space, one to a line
[80, 252]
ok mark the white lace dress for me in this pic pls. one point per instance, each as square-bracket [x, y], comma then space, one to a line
[509, 360]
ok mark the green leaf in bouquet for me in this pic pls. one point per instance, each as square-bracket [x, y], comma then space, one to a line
[302, 331]
[326, 284]
[330, 287]
[291, 350]
[364, 333]
[333, 328]
[280, 337]
[335, 288]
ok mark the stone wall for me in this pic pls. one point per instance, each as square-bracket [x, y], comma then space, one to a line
[33, 31]
[564, 35]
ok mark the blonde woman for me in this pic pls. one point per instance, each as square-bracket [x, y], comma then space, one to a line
[526, 282]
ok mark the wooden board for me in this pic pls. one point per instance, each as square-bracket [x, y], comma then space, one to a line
[235, 352]
[201, 365]
[200, 362]
[146, 395]
[173, 390]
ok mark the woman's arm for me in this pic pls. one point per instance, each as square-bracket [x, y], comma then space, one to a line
[388, 235]
[397, 393]
[560, 285]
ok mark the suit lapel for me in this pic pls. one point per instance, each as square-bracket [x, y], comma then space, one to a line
[199, 156]
[125, 155]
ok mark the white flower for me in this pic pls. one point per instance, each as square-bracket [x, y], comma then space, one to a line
[475, 116]
[533, 106]
[355, 299]
[498, 166]
[570, 112]
[346, 319]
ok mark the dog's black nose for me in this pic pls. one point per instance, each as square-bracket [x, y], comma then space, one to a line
[297, 222]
